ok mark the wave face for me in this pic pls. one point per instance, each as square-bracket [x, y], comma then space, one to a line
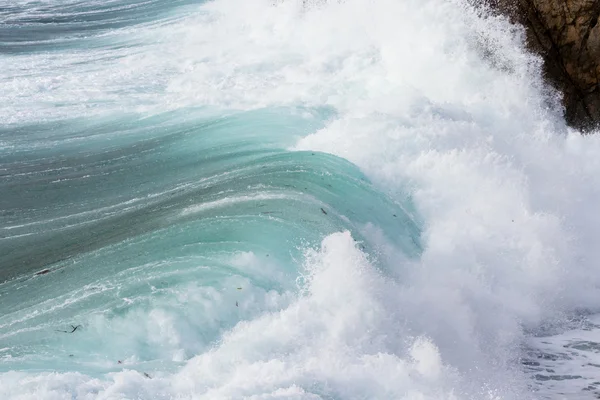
[289, 200]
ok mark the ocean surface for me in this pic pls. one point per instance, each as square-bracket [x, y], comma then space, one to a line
[286, 199]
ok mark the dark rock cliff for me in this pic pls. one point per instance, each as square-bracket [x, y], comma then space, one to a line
[566, 34]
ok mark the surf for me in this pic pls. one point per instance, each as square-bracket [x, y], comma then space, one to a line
[287, 199]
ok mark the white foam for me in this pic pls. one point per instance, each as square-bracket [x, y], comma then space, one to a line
[341, 337]
[431, 98]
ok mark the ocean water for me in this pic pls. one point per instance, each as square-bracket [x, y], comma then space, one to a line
[286, 199]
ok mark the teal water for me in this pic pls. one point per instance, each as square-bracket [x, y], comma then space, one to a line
[127, 215]
[285, 199]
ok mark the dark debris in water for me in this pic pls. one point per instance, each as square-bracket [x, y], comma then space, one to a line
[74, 328]
[43, 272]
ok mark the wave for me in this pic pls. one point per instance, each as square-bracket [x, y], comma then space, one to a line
[257, 199]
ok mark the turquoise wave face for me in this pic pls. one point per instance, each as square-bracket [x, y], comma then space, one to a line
[153, 234]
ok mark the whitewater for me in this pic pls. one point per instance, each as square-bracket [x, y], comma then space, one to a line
[286, 199]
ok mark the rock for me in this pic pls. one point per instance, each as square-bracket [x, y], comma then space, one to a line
[566, 34]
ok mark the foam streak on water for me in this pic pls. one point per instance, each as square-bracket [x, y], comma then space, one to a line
[289, 200]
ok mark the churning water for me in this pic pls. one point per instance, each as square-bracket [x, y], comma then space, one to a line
[289, 200]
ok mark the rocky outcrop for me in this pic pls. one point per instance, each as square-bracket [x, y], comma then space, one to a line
[566, 33]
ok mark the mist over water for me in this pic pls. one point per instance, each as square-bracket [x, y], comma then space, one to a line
[289, 200]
